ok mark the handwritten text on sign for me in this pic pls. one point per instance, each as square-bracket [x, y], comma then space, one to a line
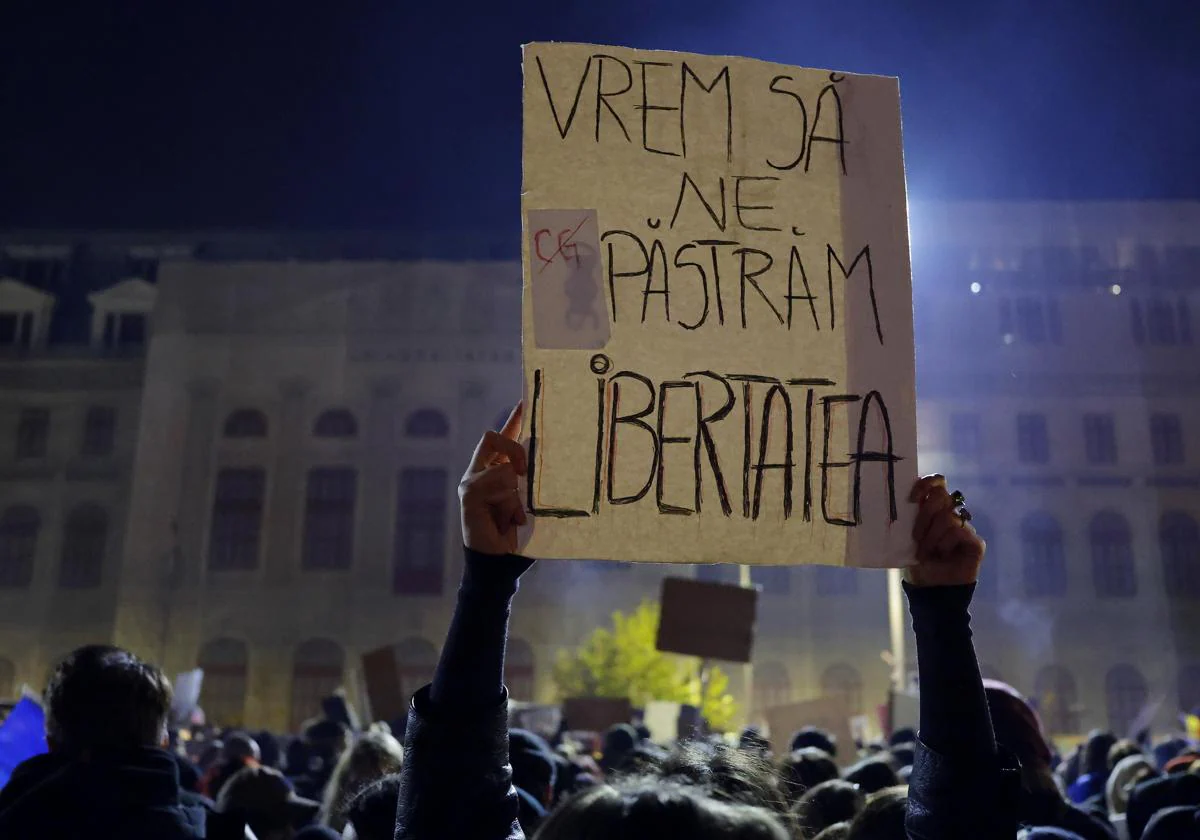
[718, 340]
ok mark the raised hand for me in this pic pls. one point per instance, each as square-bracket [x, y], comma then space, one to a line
[489, 504]
[949, 551]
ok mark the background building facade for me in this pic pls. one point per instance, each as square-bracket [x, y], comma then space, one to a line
[249, 451]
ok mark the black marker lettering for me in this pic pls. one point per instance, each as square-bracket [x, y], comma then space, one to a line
[646, 108]
[602, 95]
[803, 124]
[739, 208]
[787, 465]
[535, 443]
[663, 441]
[634, 419]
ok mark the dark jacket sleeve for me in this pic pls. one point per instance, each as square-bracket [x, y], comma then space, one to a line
[962, 785]
[457, 781]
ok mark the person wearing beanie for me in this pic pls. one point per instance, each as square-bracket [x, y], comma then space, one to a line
[1154, 795]
[619, 742]
[810, 736]
[1041, 804]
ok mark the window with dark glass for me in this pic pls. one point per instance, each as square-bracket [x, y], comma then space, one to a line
[427, 423]
[246, 423]
[418, 556]
[99, 431]
[966, 439]
[1033, 442]
[1179, 545]
[1043, 557]
[1113, 571]
[336, 423]
[33, 433]
[85, 540]
[236, 519]
[19, 528]
[1100, 438]
[1166, 439]
[329, 518]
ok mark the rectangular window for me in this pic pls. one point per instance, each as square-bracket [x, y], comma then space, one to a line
[1033, 445]
[1031, 321]
[236, 519]
[419, 550]
[329, 518]
[1161, 323]
[1166, 439]
[1139, 322]
[1100, 438]
[99, 431]
[33, 433]
[966, 439]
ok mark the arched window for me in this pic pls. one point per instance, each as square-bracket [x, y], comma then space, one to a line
[19, 527]
[427, 423]
[1043, 558]
[1112, 556]
[8, 680]
[1179, 544]
[415, 661]
[1125, 690]
[1054, 691]
[336, 423]
[986, 587]
[842, 681]
[519, 670]
[316, 673]
[85, 538]
[246, 423]
[1189, 689]
[223, 691]
[772, 686]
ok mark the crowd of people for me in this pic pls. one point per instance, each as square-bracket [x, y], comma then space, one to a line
[979, 767]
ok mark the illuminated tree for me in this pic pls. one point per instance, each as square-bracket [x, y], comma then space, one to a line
[621, 661]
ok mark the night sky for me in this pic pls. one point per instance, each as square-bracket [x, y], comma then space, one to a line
[392, 114]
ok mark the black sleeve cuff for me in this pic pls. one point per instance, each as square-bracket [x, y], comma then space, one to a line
[496, 575]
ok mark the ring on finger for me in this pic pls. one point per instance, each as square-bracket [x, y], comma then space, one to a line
[964, 515]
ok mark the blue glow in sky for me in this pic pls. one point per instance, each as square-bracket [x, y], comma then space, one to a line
[392, 114]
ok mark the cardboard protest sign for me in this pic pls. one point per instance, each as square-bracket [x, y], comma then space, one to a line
[596, 714]
[717, 315]
[382, 677]
[709, 620]
[185, 697]
[828, 713]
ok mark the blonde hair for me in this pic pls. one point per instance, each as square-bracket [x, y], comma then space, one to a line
[372, 756]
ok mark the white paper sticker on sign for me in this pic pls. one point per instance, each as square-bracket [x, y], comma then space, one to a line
[568, 301]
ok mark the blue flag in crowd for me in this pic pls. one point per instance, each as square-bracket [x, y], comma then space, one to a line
[22, 736]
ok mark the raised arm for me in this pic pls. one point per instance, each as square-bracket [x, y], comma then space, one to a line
[960, 786]
[457, 781]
